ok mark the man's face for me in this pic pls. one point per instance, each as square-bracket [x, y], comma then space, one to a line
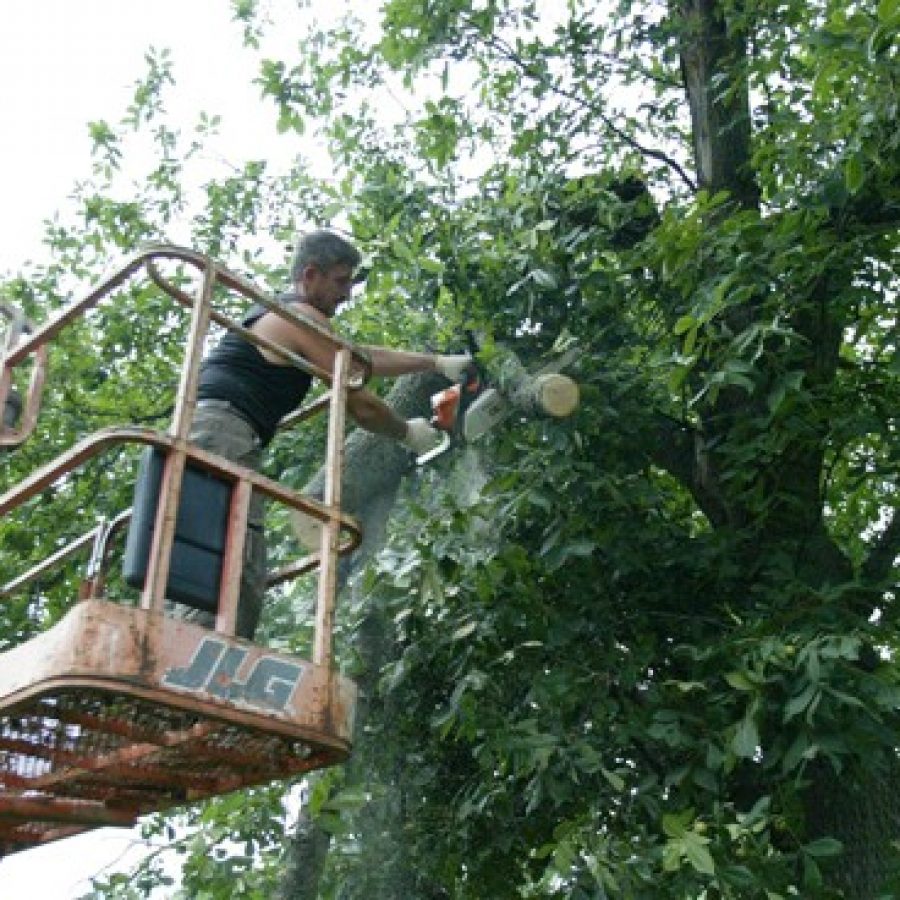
[327, 289]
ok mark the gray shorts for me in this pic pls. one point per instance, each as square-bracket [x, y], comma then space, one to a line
[228, 434]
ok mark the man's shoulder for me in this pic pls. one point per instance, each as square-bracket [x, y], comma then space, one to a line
[299, 310]
[304, 310]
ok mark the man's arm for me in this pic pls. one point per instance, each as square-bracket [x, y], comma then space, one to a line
[389, 363]
[385, 361]
[373, 414]
[304, 341]
[366, 408]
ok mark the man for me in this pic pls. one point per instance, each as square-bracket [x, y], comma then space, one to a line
[245, 391]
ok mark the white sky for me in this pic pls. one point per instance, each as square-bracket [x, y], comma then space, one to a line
[64, 63]
[62, 870]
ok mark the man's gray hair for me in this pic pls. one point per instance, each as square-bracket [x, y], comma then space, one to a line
[324, 250]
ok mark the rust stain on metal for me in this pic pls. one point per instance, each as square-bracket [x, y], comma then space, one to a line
[91, 737]
[144, 642]
[115, 712]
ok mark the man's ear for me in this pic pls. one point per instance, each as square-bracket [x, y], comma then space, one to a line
[307, 275]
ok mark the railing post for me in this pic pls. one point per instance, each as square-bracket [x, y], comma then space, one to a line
[173, 470]
[233, 558]
[334, 464]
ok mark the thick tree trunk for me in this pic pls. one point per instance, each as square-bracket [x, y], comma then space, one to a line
[374, 470]
[861, 810]
[305, 859]
[712, 50]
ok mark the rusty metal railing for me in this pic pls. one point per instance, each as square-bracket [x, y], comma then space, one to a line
[26, 343]
[115, 712]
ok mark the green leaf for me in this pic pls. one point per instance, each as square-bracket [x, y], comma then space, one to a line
[676, 824]
[678, 377]
[690, 341]
[745, 742]
[434, 266]
[800, 702]
[812, 874]
[738, 876]
[672, 855]
[740, 380]
[776, 397]
[802, 748]
[824, 847]
[888, 11]
[581, 547]
[349, 799]
[333, 824]
[854, 173]
[740, 681]
[697, 853]
[615, 781]
[684, 324]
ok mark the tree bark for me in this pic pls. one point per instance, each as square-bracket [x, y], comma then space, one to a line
[862, 809]
[547, 394]
[858, 808]
[711, 48]
[374, 470]
[305, 859]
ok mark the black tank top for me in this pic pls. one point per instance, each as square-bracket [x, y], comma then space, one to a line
[263, 391]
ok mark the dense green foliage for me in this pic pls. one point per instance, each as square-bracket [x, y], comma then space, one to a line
[649, 651]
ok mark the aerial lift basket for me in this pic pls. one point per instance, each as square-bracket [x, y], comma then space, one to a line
[117, 711]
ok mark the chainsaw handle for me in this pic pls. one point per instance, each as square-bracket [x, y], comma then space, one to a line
[435, 451]
[450, 404]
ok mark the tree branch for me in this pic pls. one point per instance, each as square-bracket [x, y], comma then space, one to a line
[720, 113]
[504, 50]
[680, 450]
[883, 555]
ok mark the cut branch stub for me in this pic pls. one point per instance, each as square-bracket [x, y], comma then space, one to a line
[548, 393]
[555, 395]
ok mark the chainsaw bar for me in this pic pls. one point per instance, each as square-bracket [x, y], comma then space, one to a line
[491, 408]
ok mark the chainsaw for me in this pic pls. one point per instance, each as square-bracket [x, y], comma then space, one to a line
[448, 412]
[450, 405]
[469, 409]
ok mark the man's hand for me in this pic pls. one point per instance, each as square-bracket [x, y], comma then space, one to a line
[453, 367]
[421, 437]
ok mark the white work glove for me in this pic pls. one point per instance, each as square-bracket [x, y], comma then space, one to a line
[421, 437]
[453, 367]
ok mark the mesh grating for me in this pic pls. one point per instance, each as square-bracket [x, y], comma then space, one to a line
[78, 759]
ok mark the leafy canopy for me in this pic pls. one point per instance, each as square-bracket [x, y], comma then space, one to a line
[626, 654]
